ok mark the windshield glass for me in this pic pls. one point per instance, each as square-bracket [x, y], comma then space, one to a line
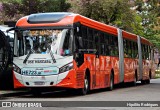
[43, 42]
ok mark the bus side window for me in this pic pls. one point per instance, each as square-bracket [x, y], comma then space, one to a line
[80, 42]
[102, 44]
[147, 52]
[84, 36]
[144, 51]
[129, 45]
[143, 54]
[78, 39]
[78, 56]
[111, 43]
[134, 49]
[102, 49]
[107, 44]
[90, 34]
[115, 45]
[84, 32]
[90, 40]
[21, 45]
[125, 48]
[96, 36]
[28, 47]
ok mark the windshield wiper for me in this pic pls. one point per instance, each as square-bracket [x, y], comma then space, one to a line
[54, 60]
[28, 55]
[50, 51]
[32, 51]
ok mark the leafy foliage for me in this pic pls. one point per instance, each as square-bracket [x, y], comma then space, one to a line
[113, 12]
[14, 9]
[119, 14]
[150, 21]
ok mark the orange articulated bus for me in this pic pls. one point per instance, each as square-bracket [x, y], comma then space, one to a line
[67, 50]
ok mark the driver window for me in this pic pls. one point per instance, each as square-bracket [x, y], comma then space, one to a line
[18, 45]
[67, 44]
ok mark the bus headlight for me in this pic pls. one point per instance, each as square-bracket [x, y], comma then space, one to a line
[65, 68]
[16, 69]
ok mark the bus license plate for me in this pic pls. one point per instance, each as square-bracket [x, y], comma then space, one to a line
[39, 83]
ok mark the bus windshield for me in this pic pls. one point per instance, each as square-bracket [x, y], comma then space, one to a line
[43, 42]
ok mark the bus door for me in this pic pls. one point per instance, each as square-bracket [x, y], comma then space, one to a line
[97, 59]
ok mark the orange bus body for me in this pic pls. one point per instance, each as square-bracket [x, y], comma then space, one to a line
[99, 69]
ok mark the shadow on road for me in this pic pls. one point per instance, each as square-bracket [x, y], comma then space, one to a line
[66, 93]
[54, 93]
[6, 80]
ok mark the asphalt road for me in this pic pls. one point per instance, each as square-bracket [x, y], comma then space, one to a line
[145, 92]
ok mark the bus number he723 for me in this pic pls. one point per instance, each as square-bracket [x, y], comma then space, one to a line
[30, 72]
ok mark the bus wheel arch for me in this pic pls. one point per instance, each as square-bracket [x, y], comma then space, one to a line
[135, 78]
[149, 77]
[150, 73]
[111, 80]
[136, 75]
[87, 74]
[86, 88]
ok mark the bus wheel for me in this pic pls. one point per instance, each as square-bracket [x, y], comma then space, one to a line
[135, 81]
[148, 81]
[143, 81]
[35, 92]
[111, 82]
[85, 90]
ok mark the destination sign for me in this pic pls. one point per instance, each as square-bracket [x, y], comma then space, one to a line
[38, 61]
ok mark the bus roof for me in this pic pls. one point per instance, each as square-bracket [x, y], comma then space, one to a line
[145, 41]
[61, 19]
[46, 19]
[67, 19]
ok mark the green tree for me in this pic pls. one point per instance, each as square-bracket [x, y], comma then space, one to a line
[112, 12]
[149, 12]
[14, 9]
[118, 13]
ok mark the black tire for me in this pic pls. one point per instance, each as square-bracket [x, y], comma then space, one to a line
[149, 77]
[148, 81]
[111, 82]
[85, 90]
[143, 81]
[134, 83]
